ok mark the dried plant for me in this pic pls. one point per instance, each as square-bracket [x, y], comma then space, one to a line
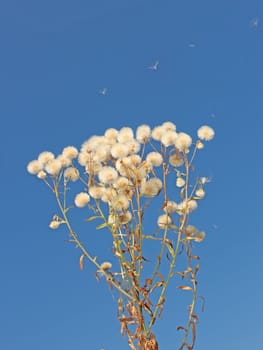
[124, 177]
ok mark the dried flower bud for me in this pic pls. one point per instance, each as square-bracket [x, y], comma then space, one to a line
[105, 266]
[180, 182]
[54, 224]
[200, 192]
[41, 175]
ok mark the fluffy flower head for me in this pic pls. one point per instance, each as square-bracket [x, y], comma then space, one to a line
[53, 167]
[70, 152]
[107, 175]
[205, 133]
[82, 199]
[143, 133]
[151, 188]
[125, 135]
[154, 158]
[183, 141]
[45, 157]
[34, 167]
[71, 174]
[164, 220]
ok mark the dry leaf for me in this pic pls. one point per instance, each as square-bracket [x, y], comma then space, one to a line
[185, 287]
[81, 262]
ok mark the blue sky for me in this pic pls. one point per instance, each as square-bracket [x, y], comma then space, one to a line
[55, 57]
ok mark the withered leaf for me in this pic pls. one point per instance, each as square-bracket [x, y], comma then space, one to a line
[197, 268]
[193, 333]
[184, 287]
[170, 248]
[148, 282]
[195, 257]
[81, 261]
[91, 218]
[160, 276]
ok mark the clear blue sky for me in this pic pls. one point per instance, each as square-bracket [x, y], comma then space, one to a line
[55, 57]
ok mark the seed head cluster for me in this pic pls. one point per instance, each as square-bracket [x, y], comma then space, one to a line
[122, 165]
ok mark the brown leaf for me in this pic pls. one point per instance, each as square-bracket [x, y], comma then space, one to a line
[160, 276]
[148, 282]
[197, 268]
[81, 261]
[193, 333]
[195, 257]
[185, 287]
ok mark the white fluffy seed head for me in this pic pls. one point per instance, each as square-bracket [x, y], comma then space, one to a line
[121, 167]
[121, 183]
[154, 158]
[143, 133]
[93, 143]
[134, 146]
[84, 158]
[34, 167]
[53, 167]
[108, 195]
[102, 154]
[107, 175]
[206, 133]
[176, 160]
[65, 161]
[111, 133]
[186, 206]
[158, 132]
[70, 152]
[93, 168]
[125, 135]
[45, 157]
[71, 174]
[119, 150]
[151, 188]
[170, 207]
[120, 203]
[169, 126]
[96, 192]
[82, 199]
[164, 220]
[169, 138]
[183, 141]
[135, 159]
